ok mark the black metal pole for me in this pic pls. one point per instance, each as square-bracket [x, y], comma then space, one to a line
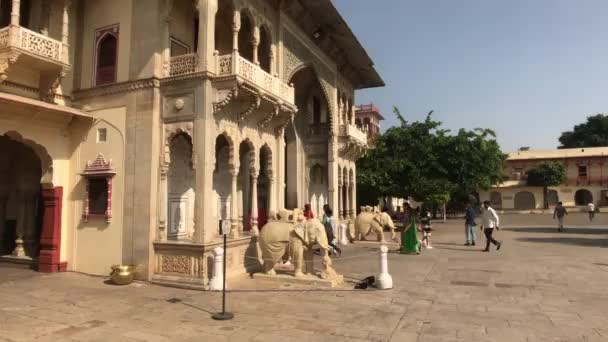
[223, 316]
[224, 280]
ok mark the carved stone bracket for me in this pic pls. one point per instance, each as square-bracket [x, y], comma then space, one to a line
[255, 102]
[232, 94]
[353, 150]
[49, 88]
[6, 60]
[280, 130]
[276, 110]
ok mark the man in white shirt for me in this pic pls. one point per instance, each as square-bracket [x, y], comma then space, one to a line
[489, 221]
[591, 209]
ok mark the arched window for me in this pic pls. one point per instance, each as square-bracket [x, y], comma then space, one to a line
[106, 56]
[264, 49]
[246, 37]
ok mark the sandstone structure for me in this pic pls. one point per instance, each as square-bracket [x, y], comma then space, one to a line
[129, 129]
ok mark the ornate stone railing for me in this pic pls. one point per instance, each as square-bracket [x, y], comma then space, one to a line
[352, 132]
[229, 65]
[235, 65]
[34, 44]
[183, 64]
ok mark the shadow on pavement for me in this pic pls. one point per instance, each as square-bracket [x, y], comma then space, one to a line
[553, 230]
[463, 249]
[602, 243]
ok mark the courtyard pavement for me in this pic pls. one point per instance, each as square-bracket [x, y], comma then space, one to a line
[541, 286]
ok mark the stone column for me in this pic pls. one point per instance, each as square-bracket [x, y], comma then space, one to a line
[162, 215]
[354, 195]
[280, 165]
[207, 9]
[166, 38]
[256, 43]
[236, 27]
[234, 215]
[339, 208]
[351, 203]
[15, 12]
[346, 200]
[65, 27]
[254, 204]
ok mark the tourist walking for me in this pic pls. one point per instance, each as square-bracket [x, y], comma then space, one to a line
[560, 212]
[591, 209]
[425, 222]
[329, 223]
[409, 238]
[490, 221]
[469, 225]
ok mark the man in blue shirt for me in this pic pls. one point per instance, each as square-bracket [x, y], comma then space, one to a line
[469, 225]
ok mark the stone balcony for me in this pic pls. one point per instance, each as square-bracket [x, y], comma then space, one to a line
[31, 49]
[353, 133]
[233, 65]
[353, 141]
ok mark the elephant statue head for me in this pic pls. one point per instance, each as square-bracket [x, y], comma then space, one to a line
[385, 220]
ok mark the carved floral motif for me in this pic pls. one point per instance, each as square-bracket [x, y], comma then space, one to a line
[175, 264]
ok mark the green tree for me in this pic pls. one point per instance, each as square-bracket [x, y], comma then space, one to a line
[592, 133]
[422, 160]
[546, 174]
[474, 161]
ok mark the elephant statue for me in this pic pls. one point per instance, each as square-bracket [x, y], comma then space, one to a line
[371, 220]
[293, 235]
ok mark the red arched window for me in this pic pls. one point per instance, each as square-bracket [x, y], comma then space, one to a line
[106, 57]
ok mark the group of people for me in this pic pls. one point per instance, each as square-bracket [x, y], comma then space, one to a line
[560, 214]
[414, 222]
[420, 221]
[489, 222]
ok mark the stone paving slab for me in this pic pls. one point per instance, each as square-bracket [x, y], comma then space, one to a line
[542, 286]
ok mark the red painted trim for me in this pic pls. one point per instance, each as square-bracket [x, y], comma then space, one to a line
[85, 215]
[109, 205]
[50, 238]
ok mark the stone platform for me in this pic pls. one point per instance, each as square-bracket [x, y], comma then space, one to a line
[307, 280]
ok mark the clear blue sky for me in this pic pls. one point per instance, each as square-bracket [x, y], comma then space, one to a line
[529, 69]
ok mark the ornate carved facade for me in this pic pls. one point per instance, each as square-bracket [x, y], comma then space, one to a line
[247, 109]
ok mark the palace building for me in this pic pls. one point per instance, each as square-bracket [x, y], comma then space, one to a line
[586, 179]
[130, 128]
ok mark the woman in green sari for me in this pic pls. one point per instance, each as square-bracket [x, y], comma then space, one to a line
[409, 238]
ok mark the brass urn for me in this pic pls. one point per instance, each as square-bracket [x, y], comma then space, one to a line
[122, 274]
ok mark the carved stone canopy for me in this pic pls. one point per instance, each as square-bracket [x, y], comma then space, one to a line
[100, 167]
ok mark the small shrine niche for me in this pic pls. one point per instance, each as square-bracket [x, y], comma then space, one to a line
[98, 176]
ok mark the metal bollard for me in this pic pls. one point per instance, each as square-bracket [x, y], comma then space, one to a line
[343, 235]
[216, 282]
[384, 281]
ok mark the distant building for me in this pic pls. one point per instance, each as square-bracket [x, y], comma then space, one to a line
[587, 179]
[367, 118]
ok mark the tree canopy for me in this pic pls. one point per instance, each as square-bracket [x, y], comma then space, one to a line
[593, 133]
[422, 160]
[546, 174]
